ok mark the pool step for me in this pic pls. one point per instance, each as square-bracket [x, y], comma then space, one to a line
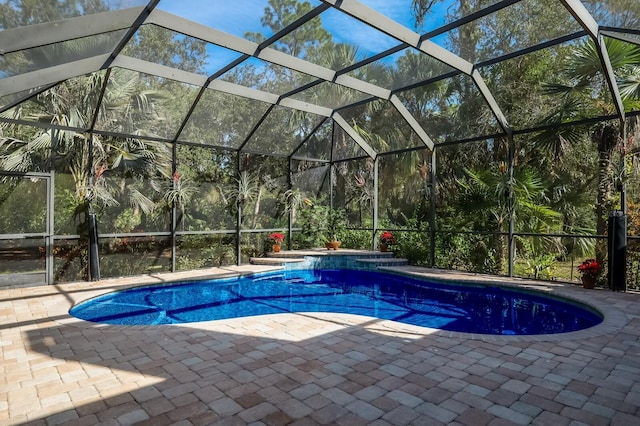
[385, 261]
[275, 260]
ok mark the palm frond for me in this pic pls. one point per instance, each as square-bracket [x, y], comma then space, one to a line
[138, 199]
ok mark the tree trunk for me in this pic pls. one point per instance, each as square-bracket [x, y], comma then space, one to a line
[606, 138]
[500, 248]
[256, 209]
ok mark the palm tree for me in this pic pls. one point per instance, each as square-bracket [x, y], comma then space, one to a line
[71, 104]
[485, 200]
[585, 95]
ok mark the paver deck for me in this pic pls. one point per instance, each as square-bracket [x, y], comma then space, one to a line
[309, 369]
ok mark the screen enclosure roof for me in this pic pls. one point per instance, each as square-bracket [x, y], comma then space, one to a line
[238, 78]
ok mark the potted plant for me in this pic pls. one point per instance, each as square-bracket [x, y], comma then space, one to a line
[336, 220]
[590, 269]
[386, 239]
[276, 239]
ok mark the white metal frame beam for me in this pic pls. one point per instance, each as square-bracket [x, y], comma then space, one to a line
[152, 68]
[344, 125]
[21, 38]
[622, 37]
[410, 119]
[390, 27]
[219, 38]
[51, 75]
[584, 18]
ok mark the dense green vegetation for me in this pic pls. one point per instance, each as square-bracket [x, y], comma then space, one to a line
[205, 179]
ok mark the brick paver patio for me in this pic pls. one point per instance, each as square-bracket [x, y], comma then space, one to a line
[309, 369]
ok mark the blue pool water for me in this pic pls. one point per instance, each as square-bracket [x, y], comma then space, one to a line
[465, 308]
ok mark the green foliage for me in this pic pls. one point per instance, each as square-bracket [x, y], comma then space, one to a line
[336, 222]
[70, 261]
[415, 246]
[134, 256]
[199, 251]
[356, 239]
[467, 252]
[537, 263]
[127, 221]
[313, 221]
[305, 41]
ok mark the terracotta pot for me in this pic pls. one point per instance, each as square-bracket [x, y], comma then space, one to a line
[332, 245]
[588, 282]
[384, 247]
[276, 248]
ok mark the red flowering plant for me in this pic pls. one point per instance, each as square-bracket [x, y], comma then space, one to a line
[276, 238]
[590, 268]
[387, 238]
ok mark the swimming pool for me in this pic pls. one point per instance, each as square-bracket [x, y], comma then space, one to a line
[455, 307]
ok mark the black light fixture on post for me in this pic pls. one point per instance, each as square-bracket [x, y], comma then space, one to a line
[617, 251]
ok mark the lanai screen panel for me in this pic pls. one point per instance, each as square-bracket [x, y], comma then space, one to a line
[162, 46]
[134, 256]
[344, 147]
[402, 69]
[26, 148]
[310, 177]
[318, 145]
[282, 131]
[69, 260]
[623, 14]
[207, 178]
[66, 194]
[435, 16]
[14, 190]
[568, 181]
[71, 103]
[11, 99]
[509, 30]
[135, 175]
[262, 182]
[626, 77]
[309, 181]
[141, 104]
[222, 119]
[202, 251]
[549, 81]
[233, 17]
[262, 75]
[380, 125]
[403, 188]
[487, 155]
[340, 49]
[397, 10]
[330, 95]
[51, 55]
[14, 16]
[353, 191]
[451, 109]
[523, 104]
[472, 206]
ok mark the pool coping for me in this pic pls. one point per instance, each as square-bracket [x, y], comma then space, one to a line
[613, 319]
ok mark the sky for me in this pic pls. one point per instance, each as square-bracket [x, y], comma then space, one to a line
[240, 16]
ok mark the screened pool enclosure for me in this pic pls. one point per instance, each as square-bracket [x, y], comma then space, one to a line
[487, 136]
